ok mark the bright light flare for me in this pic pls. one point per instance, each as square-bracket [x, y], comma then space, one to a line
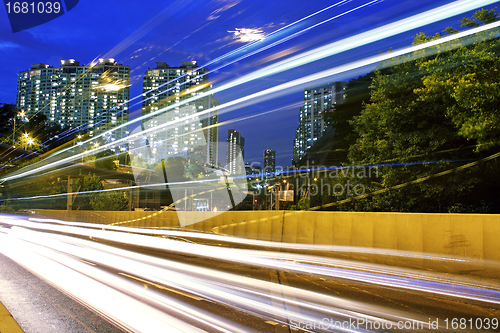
[113, 87]
[248, 35]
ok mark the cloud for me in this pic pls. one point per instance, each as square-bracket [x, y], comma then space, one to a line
[9, 45]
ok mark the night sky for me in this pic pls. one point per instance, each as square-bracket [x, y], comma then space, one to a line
[139, 34]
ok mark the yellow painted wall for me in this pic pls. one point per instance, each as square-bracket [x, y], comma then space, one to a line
[468, 235]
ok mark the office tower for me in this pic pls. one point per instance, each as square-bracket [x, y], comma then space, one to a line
[269, 162]
[317, 101]
[171, 94]
[235, 148]
[88, 99]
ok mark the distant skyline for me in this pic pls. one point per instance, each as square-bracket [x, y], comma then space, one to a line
[139, 35]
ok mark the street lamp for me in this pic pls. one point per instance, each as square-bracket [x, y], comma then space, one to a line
[21, 114]
[28, 142]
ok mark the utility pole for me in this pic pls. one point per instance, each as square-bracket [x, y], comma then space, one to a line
[14, 130]
[14, 133]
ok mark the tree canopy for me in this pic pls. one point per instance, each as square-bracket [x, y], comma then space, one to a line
[428, 113]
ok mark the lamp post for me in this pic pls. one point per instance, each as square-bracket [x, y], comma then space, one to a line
[14, 130]
[14, 133]
[277, 204]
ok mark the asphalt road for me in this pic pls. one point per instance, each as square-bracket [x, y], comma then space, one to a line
[39, 307]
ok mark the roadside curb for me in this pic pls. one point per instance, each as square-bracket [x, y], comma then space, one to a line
[7, 323]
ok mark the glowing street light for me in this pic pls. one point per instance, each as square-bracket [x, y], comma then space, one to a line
[19, 114]
[30, 141]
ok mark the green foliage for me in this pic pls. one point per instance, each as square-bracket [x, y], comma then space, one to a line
[38, 128]
[140, 162]
[480, 17]
[483, 207]
[194, 171]
[426, 107]
[39, 188]
[173, 168]
[428, 112]
[28, 143]
[4, 208]
[7, 114]
[89, 183]
[42, 130]
[109, 201]
[303, 204]
[466, 84]
[124, 158]
[357, 95]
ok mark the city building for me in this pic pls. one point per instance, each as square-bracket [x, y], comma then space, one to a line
[235, 149]
[317, 101]
[253, 168]
[170, 94]
[269, 163]
[88, 99]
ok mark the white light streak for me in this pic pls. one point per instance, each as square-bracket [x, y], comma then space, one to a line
[350, 43]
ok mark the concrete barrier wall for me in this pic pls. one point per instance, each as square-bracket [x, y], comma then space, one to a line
[467, 235]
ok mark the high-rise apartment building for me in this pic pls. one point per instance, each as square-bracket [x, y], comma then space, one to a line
[171, 93]
[88, 99]
[317, 101]
[235, 149]
[269, 162]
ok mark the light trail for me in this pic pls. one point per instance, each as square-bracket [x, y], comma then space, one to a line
[206, 181]
[265, 244]
[292, 262]
[239, 50]
[232, 290]
[346, 44]
[85, 269]
[125, 310]
[245, 294]
[285, 65]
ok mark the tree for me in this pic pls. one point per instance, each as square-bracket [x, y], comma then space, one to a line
[467, 82]
[105, 160]
[28, 143]
[7, 114]
[89, 183]
[109, 201]
[357, 95]
[194, 171]
[173, 168]
[42, 132]
[426, 110]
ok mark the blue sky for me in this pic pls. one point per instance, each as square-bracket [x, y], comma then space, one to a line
[138, 34]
